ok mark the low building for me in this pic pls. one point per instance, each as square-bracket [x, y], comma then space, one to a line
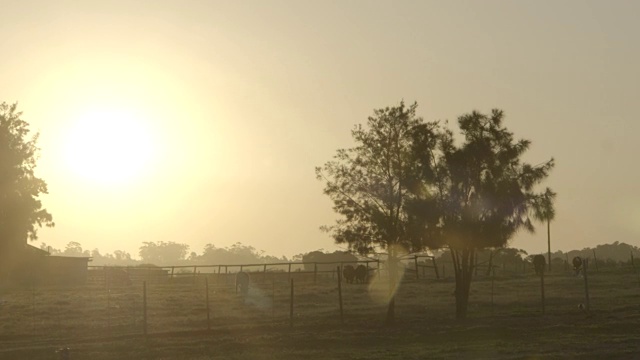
[36, 267]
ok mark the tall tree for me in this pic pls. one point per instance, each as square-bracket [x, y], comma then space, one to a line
[545, 212]
[369, 185]
[486, 193]
[21, 212]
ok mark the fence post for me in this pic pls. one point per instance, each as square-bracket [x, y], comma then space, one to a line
[206, 285]
[33, 303]
[415, 259]
[291, 305]
[435, 267]
[475, 272]
[315, 272]
[108, 310]
[340, 294]
[368, 273]
[493, 274]
[585, 266]
[542, 288]
[289, 271]
[273, 297]
[595, 259]
[144, 308]
[490, 263]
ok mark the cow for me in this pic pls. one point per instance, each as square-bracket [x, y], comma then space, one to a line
[539, 263]
[242, 282]
[361, 274]
[577, 264]
[349, 273]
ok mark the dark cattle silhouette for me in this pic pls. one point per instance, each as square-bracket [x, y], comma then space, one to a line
[539, 263]
[361, 274]
[242, 282]
[577, 264]
[349, 273]
[312, 259]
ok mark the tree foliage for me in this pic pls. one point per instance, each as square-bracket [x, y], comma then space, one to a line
[372, 184]
[486, 193]
[408, 185]
[21, 211]
[369, 183]
[163, 253]
[236, 254]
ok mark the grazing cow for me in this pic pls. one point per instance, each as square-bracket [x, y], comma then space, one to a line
[361, 274]
[577, 264]
[242, 282]
[349, 273]
[539, 263]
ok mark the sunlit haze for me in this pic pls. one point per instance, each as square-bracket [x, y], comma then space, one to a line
[109, 147]
[202, 121]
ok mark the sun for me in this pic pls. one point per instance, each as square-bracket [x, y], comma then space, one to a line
[109, 147]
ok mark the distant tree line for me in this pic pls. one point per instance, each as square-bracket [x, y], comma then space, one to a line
[172, 253]
[163, 253]
[613, 254]
[606, 254]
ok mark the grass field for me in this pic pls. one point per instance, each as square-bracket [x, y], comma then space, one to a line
[98, 324]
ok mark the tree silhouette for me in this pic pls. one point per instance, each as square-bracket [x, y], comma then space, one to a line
[485, 193]
[21, 212]
[163, 253]
[74, 248]
[545, 212]
[369, 186]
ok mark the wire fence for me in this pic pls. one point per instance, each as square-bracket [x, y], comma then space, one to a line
[161, 300]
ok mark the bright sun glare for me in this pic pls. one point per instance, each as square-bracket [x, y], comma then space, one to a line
[109, 147]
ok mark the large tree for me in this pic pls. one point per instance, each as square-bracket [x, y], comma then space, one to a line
[21, 211]
[371, 186]
[486, 193]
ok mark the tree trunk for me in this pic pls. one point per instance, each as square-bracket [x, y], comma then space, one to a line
[490, 266]
[463, 261]
[393, 277]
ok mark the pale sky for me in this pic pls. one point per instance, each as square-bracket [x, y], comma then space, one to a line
[229, 106]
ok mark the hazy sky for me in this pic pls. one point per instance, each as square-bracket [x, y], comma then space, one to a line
[229, 106]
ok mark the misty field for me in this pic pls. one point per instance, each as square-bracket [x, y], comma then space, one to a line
[100, 324]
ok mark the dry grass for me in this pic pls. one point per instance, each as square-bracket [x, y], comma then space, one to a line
[101, 325]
